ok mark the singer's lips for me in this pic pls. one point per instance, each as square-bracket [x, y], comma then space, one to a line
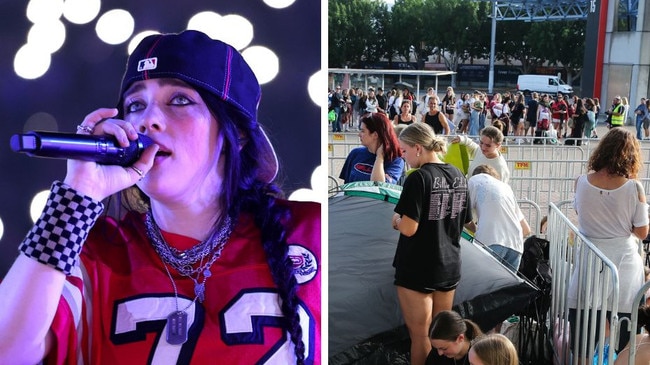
[162, 151]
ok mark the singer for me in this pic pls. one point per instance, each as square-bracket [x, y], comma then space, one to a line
[206, 263]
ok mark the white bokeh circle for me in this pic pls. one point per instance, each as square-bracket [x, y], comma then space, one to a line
[47, 35]
[81, 11]
[279, 4]
[31, 62]
[264, 63]
[315, 86]
[115, 26]
[37, 204]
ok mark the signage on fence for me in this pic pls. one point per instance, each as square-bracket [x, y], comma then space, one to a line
[522, 165]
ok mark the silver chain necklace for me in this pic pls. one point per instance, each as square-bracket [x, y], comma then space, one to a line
[183, 261]
[184, 264]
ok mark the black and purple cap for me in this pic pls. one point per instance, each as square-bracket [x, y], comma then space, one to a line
[208, 65]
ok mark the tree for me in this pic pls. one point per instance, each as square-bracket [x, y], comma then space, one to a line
[512, 43]
[378, 47]
[453, 30]
[456, 34]
[560, 43]
[408, 27]
[357, 31]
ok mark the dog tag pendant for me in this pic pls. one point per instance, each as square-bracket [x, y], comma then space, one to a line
[177, 328]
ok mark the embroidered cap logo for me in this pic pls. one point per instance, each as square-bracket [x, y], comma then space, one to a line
[148, 64]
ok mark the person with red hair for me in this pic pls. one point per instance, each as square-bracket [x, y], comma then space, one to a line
[379, 159]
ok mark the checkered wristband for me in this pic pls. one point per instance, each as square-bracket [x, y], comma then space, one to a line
[57, 236]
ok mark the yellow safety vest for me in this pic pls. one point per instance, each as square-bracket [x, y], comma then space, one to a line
[618, 119]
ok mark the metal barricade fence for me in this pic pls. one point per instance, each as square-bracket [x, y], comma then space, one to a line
[634, 321]
[542, 173]
[533, 214]
[597, 291]
[338, 147]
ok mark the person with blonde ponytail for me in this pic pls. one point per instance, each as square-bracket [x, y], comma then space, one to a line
[493, 349]
[430, 215]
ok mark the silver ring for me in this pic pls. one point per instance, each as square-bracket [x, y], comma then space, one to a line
[138, 171]
[85, 128]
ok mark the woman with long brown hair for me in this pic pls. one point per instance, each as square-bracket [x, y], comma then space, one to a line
[451, 338]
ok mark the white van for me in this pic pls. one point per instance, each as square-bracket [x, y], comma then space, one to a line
[548, 84]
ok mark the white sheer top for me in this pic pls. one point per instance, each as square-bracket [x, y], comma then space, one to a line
[609, 213]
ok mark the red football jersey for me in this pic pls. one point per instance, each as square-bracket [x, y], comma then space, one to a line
[114, 308]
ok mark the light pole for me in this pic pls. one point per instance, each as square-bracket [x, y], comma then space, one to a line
[493, 36]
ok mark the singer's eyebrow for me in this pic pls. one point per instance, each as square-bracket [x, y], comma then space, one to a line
[139, 85]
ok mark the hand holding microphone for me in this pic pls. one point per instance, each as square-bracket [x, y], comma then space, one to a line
[122, 156]
[102, 149]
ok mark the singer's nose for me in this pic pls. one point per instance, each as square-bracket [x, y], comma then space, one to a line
[152, 120]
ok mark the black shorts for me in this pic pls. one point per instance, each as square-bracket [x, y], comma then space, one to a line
[420, 287]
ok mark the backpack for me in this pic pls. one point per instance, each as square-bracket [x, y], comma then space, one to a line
[534, 259]
[534, 346]
[391, 109]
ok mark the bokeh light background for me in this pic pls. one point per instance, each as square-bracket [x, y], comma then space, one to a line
[61, 59]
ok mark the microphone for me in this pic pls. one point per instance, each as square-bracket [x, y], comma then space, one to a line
[102, 149]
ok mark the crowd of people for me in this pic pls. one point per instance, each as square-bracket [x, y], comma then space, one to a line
[609, 192]
[523, 118]
[349, 105]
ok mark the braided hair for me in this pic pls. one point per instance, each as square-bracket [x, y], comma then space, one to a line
[243, 192]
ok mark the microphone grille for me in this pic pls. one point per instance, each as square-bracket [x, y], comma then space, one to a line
[145, 141]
